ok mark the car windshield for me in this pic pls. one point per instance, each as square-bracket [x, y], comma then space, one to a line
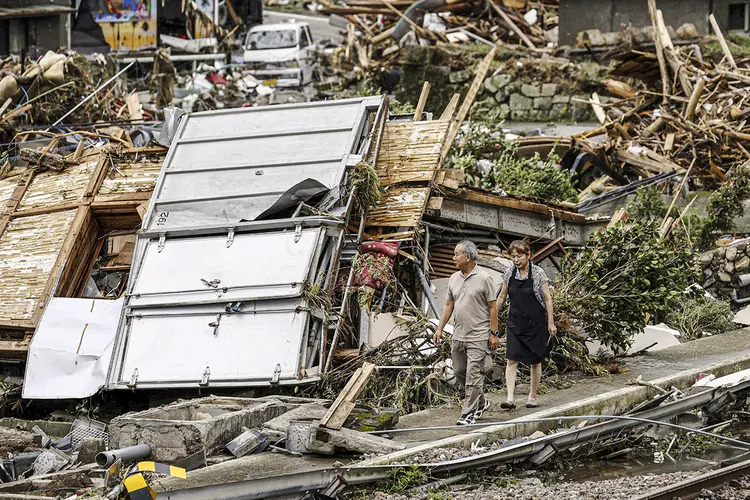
[271, 39]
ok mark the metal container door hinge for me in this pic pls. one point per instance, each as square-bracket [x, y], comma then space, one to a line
[162, 242]
[297, 232]
[230, 237]
[276, 374]
[206, 376]
[214, 283]
[215, 324]
[133, 379]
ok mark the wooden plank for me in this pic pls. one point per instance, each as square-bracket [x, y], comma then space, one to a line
[344, 403]
[97, 176]
[46, 210]
[450, 109]
[526, 206]
[722, 41]
[422, 101]
[508, 21]
[463, 111]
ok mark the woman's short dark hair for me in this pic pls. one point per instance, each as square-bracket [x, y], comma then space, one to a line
[520, 246]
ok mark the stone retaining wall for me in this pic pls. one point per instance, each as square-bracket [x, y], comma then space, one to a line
[534, 101]
[723, 266]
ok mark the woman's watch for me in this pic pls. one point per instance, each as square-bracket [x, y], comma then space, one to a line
[496, 333]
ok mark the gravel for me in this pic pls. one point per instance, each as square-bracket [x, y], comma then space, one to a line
[737, 489]
[534, 489]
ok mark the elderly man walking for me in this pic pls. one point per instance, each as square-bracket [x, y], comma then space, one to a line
[472, 302]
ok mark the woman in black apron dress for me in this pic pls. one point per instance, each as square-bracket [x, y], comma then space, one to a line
[530, 321]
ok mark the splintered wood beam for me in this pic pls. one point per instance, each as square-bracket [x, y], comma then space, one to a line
[450, 109]
[345, 402]
[659, 51]
[422, 101]
[463, 111]
[722, 41]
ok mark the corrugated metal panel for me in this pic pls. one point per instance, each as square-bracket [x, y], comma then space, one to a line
[228, 166]
[176, 347]
[200, 270]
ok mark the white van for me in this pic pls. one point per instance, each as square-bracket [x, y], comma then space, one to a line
[280, 55]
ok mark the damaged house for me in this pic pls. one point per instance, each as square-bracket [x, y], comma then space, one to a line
[244, 249]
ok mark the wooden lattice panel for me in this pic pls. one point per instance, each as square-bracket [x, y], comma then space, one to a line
[399, 207]
[28, 250]
[52, 188]
[135, 177]
[410, 151]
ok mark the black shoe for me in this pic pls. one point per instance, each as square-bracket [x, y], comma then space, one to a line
[483, 407]
[508, 405]
[467, 419]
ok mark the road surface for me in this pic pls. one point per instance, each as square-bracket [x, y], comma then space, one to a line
[319, 26]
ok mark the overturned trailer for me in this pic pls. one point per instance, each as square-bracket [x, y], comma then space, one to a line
[217, 295]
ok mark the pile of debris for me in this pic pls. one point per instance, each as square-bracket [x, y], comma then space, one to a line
[49, 91]
[693, 126]
[513, 22]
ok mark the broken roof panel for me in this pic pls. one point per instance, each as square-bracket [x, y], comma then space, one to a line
[51, 188]
[410, 151]
[29, 248]
[137, 175]
[230, 166]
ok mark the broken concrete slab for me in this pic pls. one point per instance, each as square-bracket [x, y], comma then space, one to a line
[17, 441]
[328, 442]
[277, 427]
[43, 482]
[248, 467]
[182, 429]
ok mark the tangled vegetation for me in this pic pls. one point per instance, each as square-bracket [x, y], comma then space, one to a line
[725, 205]
[492, 163]
[364, 182]
[693, 316]
[624, 273]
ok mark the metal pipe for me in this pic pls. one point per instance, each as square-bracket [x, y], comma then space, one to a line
[107, 458]
[742, 444]
[742, 279]
[103, 85]
[737, 300]
[347, 292]
[427, 291]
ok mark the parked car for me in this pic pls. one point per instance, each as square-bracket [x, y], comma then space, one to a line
[280, 55]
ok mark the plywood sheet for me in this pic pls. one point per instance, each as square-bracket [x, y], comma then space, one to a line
[134, 177]
[52, 188]
[28, 251]
[410, 151]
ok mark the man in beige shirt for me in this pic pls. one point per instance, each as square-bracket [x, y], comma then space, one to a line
[472, 303]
